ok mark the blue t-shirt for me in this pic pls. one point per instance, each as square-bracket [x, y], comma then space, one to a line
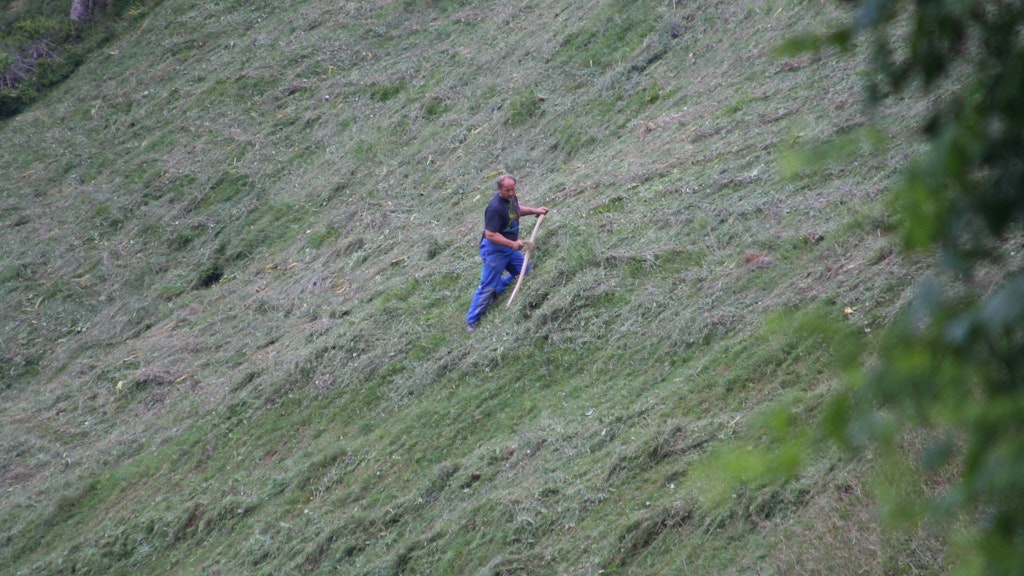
[503, 216]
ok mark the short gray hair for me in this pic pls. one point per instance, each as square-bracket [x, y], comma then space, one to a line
[504, 177]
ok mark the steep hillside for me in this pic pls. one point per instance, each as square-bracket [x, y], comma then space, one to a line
[240, 245]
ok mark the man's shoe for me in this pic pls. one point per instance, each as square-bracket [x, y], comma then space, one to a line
[471, 327]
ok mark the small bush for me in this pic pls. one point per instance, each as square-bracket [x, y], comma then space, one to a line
[523, 107]
[211, 274]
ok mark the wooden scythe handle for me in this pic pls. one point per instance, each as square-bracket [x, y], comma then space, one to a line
[526, 261]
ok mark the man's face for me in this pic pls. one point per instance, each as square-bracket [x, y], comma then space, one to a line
[507, 189]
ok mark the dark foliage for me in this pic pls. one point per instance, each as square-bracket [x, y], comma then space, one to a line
[954, 365]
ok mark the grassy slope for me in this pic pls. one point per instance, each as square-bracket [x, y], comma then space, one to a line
[244, 242]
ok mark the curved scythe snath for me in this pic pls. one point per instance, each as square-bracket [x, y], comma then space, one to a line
[526, 260]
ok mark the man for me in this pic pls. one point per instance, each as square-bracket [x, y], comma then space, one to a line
[500, 247]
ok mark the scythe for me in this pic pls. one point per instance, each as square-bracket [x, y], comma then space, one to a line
[526, 260]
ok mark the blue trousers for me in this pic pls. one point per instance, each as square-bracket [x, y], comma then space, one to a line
[497, 260]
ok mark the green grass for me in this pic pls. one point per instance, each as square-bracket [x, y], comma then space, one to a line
[262, 222]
